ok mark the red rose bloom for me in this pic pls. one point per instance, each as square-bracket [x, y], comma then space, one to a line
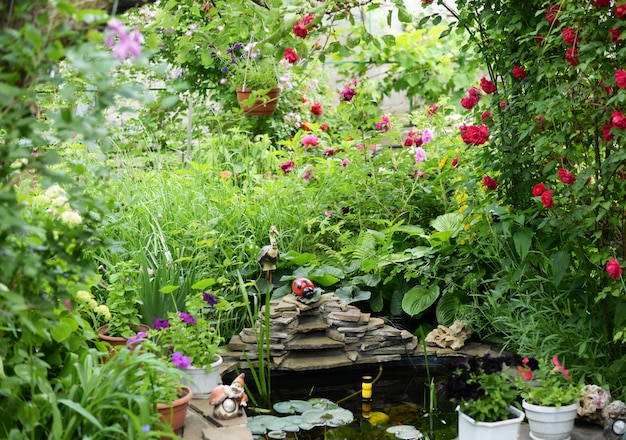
[316, 109]
[300, 28]
[427, 2]
[432, 109]
[615, 33]
[290, 55]
[552, 14]
[571, 55]
[324, 126]
[620, 11]
[490, 183]
[546, 199]
[539, 189]
[569, 35]
[474, 135]
[408, 142]
[519, 72]
[485, 116]
[606, 132]
[620, 78]
[469, 102]
[618, 120]
[475, 93]
[614, 269]
[455, 162]
[566, 177]
[602, 3]
[487, 86]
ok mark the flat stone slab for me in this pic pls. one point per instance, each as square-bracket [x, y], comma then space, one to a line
[319, 360]
[313, 341]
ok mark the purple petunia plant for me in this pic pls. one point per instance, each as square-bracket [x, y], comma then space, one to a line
[189, 339]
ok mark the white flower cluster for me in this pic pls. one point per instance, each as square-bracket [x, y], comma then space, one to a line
[55, 198]
[99, 309]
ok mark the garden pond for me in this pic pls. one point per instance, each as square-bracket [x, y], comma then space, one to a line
[328, 404]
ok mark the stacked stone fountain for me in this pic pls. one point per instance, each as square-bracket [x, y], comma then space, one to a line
[325, 334]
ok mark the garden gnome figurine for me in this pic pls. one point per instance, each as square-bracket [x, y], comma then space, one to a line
[227, 400]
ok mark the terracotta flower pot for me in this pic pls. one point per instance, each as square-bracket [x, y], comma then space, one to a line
[261, 107]
[175, 412]
[116, 340]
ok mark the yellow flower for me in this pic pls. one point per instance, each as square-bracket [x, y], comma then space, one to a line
[443, 161]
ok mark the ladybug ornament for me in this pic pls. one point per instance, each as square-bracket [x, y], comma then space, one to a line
[305, 290]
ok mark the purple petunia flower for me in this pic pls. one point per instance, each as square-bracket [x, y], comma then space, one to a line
[160, 323]
[207, 297]
[187, 318]
[138, 338]
[180, 360]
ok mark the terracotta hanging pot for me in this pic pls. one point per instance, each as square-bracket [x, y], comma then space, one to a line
[264, 106]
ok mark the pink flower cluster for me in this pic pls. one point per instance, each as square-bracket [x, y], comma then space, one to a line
[384, 124]
[128, 44]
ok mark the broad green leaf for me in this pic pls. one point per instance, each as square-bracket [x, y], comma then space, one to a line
[203, 284]
[168, 289]
[522, 240]
[419, 298]
[560, 264]
[61, 331]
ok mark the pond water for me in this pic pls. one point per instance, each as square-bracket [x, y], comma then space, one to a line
[400, 397]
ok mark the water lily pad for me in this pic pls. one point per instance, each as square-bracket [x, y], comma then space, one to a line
[322, 403]
[260, 424]
[292, 406]
[406, 432]
[295, 424]
[329, 417]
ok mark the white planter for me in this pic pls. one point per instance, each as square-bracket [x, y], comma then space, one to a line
[550, 422]
[203, 381]
[470, 429]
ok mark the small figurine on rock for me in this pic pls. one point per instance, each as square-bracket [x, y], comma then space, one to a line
[305, 290]
[227, 400]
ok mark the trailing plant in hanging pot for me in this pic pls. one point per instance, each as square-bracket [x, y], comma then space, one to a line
[255, 78]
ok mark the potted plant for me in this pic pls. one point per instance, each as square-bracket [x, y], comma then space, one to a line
[255, 78]
[158, 378]
[123, 304]
[486, 396]
[550, 399]
[192, 338]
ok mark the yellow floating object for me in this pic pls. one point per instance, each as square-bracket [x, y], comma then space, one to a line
[378, 418]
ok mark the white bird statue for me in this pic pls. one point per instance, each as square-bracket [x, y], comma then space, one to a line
[268, 256]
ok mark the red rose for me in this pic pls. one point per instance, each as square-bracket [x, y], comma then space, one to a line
[408, 142]
[539, 189]
[469, 102]
[455, 162]
[620, 11]
[474, 135]
[300, 28]
[606, 132]
[485, 116]
[487, 86]
[602, 3]
[618, 120]
[324, 126]
[475, 93]
[432, 109]
[519, 72]
[571, 55]
[316, 109]
[290, 55]
[552, 14]
[546, 199]
[566, 177]
[620, 78]
[614, 269]
[569, 35]
[490, 183]
[615, 33]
